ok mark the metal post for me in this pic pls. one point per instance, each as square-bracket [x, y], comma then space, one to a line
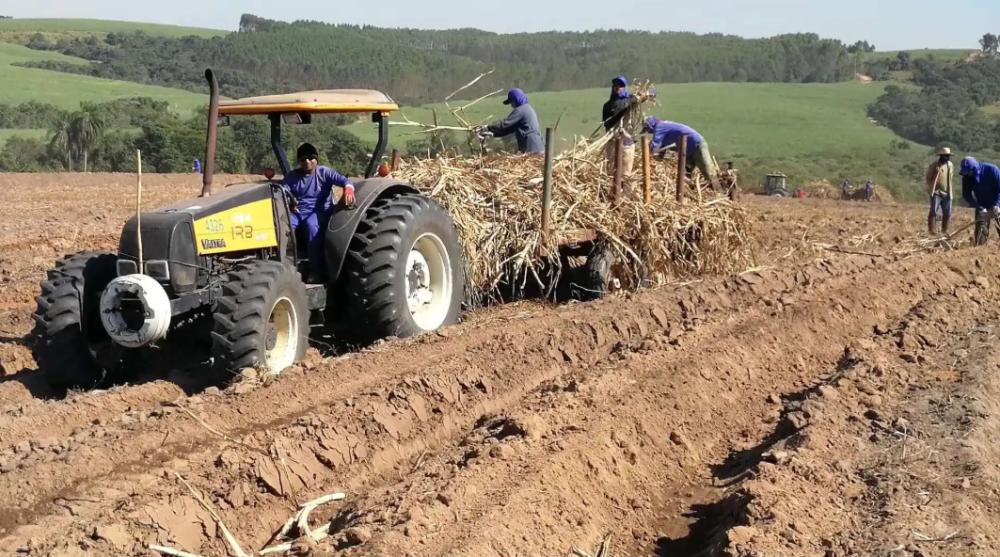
[647, 195]
[547, 182]
[682, 149]
[619, 168]
[213, 133]
[395, 160]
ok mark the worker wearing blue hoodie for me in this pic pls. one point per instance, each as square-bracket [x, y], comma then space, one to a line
[981, 190]
[666, 134]
[613, 114]
[522, 121]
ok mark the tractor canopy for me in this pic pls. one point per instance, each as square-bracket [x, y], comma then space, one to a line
[332, 101]
[294, 108]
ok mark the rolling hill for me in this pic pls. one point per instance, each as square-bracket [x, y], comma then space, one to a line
[18, 84]
[20, 30]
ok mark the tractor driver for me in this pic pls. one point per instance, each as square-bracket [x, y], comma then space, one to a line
[311, 188]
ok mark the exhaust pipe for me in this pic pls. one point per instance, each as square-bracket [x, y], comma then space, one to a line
[213, 133]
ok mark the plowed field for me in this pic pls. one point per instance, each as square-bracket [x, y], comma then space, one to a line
[840, 399]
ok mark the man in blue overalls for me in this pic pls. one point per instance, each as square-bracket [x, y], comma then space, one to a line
[311, 187]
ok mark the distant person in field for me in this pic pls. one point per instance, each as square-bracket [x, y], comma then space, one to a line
[522, 121]
[868, 190]
[612, 114]
[846, 189]
[197, 166]
[939, 177]
[311, 187]
[667, 135]
[981, 190]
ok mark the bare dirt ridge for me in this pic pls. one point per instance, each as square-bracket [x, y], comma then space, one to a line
[836, 401]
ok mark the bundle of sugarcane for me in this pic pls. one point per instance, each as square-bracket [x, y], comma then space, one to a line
[496, 204]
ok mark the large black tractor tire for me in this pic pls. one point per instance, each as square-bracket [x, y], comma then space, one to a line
[380, 271]
[594, 276]
[71, 347]
[261, 320]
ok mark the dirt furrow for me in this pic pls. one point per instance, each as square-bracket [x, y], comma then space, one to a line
[654, 425]
[509, 373]
[132, 446]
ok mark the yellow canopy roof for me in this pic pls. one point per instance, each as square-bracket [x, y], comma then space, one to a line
[318, 102]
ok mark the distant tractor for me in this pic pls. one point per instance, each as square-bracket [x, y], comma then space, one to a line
[774, 185]
[231, 265]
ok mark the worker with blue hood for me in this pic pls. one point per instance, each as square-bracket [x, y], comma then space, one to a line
[613, 115]
[981, 190]
[667, 134]
[522, 121]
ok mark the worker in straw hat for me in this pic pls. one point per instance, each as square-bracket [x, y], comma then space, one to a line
[667, 135]
[981, 190]
[522, 121]
[939, 178]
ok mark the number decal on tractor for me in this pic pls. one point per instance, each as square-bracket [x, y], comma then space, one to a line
[214, 225]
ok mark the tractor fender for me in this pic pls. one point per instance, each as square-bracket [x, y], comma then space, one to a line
[344, 222]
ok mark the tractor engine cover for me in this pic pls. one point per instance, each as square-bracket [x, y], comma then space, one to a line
[135, 310]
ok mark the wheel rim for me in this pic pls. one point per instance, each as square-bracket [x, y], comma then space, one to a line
[428, 282]
[281, 338]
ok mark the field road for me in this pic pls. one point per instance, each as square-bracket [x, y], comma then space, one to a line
[832, 402]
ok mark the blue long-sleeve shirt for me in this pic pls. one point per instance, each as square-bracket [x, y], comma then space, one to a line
[314, 188]
[523, 121]
[981, 186]
[667, 132]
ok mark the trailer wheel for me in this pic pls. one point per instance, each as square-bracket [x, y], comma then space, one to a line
[71, 346]
[261, 320]
[404, 272]
[595, 275]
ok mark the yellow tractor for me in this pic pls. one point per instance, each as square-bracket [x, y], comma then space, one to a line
[230, 262]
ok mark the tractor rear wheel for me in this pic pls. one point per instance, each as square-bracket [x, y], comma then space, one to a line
[404, 273]
[71, 346]
[261, 320]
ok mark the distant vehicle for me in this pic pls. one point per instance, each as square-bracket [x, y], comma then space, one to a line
[774, 185]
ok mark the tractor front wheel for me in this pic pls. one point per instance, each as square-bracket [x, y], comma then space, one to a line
[403, 274]
[71, 347]
[261, 320]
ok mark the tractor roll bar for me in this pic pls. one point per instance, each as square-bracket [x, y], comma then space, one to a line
[213, 133]
[383, 139]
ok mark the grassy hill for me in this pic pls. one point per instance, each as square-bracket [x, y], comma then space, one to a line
[807, 131]
[947, 54]
[18, 84]
[19, 30]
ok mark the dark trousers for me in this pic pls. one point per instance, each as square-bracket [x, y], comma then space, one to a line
[983, 219]
[942, 204]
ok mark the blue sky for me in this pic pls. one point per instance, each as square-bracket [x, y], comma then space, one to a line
[890, 24]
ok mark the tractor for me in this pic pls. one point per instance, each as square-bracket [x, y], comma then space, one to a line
[774, 185]
[230, 263]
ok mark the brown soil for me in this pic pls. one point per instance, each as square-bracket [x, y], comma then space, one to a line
[840, 399]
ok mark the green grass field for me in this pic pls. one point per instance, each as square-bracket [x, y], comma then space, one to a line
[18, 85]
[28, 134]
[17, 29]
[940, 54]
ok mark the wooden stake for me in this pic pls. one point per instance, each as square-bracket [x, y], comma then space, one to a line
[619, 168]
[646, 172]
[547, 181]
[682, 148]
[138, 205]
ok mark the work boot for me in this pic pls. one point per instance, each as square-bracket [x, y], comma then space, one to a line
[931, 221]
[944, 224]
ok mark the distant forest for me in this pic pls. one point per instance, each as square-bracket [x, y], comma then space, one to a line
[946, 109]
[419, 66]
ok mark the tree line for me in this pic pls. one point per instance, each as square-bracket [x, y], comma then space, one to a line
[947, 108]
[419, 66]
